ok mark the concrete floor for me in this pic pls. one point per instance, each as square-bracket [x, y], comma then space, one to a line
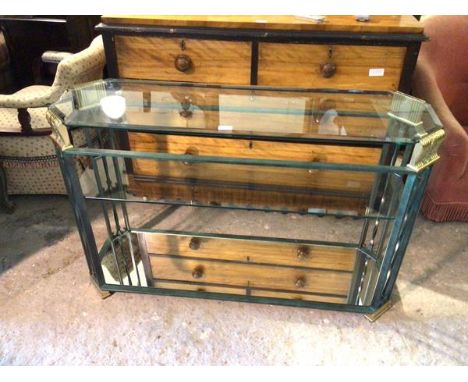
[50, 313]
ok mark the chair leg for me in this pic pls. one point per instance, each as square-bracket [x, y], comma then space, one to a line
[5, 203]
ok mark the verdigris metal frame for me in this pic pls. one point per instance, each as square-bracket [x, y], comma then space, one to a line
[388, 266]
[392, 204]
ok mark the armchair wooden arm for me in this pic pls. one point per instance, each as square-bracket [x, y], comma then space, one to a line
[20, 100]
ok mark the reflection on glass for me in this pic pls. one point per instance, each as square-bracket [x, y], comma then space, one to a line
[113, 106]
[262, 113]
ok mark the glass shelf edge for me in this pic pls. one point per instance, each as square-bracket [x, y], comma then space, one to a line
[242, 208]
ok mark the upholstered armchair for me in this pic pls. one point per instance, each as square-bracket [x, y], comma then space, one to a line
[441, 78]
[28, 162]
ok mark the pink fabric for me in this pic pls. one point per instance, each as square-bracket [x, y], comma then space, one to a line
[447, 52]
[441, 78]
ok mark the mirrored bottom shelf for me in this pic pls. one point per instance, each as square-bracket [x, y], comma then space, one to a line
[240, 253]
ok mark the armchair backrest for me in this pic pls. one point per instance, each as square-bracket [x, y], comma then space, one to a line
[447, 54]
[79, 68]
[6, 74]
[4, 55]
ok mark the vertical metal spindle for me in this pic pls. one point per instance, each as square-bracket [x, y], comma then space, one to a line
[109, 183]
[104, 210]
[402, 210]
[360, 266]
[118, 238]
[407, 154]
[381, 181]
[406, 234]
[123, 196]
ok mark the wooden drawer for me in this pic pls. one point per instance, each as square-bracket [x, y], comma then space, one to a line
[291, 199]
[271, 269]
[258, 175]
[200, 287]
[261, 176]
[250, 251]
[248, 275]
[244, 148]
[212, 61]
[300, 65]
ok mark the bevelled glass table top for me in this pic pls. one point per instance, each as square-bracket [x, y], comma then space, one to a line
[248, 111]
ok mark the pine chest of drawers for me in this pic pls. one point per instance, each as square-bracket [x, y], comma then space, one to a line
[339, 53]
[267, 51]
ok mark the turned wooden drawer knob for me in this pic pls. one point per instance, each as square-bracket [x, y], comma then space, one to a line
[186, 104]
[183, 63]
[302, 253]
[190, 151]
[328, 69]
[300, 282]
[194, 243]
[197, 273]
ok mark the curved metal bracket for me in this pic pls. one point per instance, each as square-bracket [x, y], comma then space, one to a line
[59, 134]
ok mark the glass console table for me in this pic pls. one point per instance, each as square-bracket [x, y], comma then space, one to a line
[174, 187]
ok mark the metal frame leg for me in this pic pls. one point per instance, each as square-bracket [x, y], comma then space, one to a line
[405, 235]
[372, 317]
[103, 293]
[386, 267]
[85, 230]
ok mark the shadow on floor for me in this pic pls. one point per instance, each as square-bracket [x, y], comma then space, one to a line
[37, 222]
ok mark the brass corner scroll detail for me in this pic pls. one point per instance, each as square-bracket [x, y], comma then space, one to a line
[425, 151]
[407, 109]
[59, 134]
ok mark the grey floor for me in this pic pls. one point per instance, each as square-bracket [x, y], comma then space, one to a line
[51, 314]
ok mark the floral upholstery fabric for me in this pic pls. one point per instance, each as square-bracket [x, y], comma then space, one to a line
[30, 162]
[17, 147]
[30, 181]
